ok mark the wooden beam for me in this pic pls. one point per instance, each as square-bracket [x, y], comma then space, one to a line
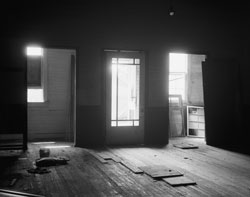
[16, 193]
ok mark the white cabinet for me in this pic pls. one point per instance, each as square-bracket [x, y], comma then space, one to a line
[195, 121]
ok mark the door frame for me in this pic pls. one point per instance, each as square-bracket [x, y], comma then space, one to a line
[105, 88]
[73, 84]
[188, 52]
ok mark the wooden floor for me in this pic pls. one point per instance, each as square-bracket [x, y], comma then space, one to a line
[217, 172]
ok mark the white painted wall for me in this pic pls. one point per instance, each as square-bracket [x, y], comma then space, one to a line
[51, 120]
[195, 81]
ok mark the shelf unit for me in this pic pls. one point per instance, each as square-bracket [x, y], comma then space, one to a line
[195, 121]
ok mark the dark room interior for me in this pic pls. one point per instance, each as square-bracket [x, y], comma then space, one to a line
[125, 98]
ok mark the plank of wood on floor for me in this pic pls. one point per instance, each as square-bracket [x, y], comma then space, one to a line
[97, 156]
[158, 171]
[179, 181]
[105, 155]
[217, 172]
[116, 159]
[109, 156]
[125, 163]
[185, 146]
[131, 167]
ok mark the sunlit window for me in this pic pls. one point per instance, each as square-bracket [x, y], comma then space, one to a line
[177, 84]
[178, 62]
[35, 95]
[177, 74]
[35, 92]
[34, 51]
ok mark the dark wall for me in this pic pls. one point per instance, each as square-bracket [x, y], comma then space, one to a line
[13, 105]
[217, 29]
[222, 104]
[90, 133]
[13, 113]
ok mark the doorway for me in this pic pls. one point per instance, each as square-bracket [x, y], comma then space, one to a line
[51, 94]
[125, 78]
[186, 100]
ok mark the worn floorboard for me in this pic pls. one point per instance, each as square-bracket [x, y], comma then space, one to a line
[217, 172]
[159, 171]
[179, 181]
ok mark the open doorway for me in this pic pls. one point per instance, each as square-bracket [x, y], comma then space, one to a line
[51, 94]
[186, 101]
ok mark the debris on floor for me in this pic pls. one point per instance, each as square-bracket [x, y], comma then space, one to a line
[10, 180]
[131, 167]
[185, 146]
[187, 158]
[38, 170]
[44, 152]
[170, 176]
[109, 156]
[13, 181]
[159, 171]
[179, 181]
[105, 155]
[46, 162]
[51, 161]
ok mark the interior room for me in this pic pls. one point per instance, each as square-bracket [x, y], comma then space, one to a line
[186, 99]
[125, 98]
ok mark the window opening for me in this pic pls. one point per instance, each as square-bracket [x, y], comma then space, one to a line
[35, 92]
[177, 74]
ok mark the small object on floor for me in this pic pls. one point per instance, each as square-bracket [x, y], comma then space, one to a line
[179, 181]
[159, 171]
[187, 158]
[13, 181]
[51, 161]
[25, 189]
[44, 152]
[38, 170]
[185, 146]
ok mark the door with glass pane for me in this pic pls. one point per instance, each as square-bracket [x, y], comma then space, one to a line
[125, 98]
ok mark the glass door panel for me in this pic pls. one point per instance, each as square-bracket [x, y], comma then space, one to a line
[125, 98]
[125, 92]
